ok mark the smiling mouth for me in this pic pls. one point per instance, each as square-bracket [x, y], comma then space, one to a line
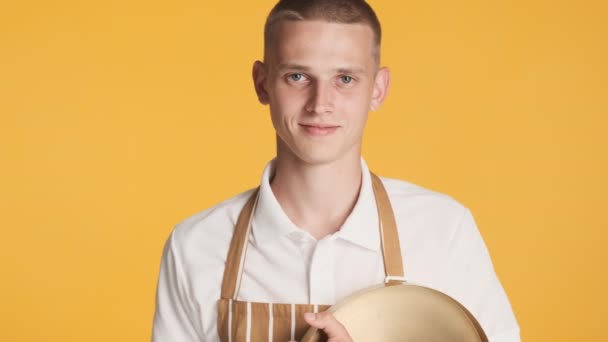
[318, 129]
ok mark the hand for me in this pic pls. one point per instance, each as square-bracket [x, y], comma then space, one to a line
[329, 324]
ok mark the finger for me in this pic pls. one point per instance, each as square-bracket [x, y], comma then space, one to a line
[329, 324]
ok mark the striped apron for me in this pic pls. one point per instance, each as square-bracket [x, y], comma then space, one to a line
[241, 321]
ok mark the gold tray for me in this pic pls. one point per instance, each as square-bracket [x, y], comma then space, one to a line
[403, 312]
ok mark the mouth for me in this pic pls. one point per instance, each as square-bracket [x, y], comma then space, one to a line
[319, 129]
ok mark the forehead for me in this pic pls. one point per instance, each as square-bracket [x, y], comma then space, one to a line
[323, 44]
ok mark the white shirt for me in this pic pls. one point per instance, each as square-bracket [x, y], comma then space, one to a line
[440, 245]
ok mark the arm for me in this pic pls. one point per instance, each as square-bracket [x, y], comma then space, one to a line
[174, 315]
[470, 277]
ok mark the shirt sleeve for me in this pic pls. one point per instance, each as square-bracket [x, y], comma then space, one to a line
[174, 316]
[474, 283]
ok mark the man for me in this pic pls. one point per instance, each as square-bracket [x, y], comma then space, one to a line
[263, 265]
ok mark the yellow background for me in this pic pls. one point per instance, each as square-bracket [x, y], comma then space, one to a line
[121, 118]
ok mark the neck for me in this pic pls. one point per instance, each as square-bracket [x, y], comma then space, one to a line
[317, 197]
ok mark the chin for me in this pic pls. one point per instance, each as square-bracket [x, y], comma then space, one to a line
[314, 153]
[319, 156]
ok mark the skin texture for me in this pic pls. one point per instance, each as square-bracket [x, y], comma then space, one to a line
[321, 74]
[320, 81]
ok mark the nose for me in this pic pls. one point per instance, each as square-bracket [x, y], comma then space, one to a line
[321, 99]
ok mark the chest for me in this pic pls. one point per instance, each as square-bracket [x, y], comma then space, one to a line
[308, 272]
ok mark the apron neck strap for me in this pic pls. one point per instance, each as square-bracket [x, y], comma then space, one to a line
[389, 237]
[391, 251]
[238, 248]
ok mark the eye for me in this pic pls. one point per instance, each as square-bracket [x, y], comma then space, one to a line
[295, 77]
[346, 79]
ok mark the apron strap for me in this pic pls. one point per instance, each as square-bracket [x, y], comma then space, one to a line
[238, 248]
[389, 237]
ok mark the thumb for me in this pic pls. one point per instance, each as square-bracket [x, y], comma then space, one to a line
[329, 324]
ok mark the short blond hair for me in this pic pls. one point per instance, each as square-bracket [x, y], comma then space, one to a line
[333, 11]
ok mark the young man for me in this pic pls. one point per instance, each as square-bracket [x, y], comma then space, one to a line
[249, 268]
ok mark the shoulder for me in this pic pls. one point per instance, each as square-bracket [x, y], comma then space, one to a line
[206, 235]
[414, 200]
[427, 221]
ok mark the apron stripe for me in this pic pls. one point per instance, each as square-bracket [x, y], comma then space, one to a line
[316, 308]
[230, 320]
[270, 322]
[293, 322]
[248, 331]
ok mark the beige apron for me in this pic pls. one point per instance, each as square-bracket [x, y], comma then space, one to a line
[240, 321]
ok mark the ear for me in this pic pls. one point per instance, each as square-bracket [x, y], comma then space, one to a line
[381, 84]
[259, 81]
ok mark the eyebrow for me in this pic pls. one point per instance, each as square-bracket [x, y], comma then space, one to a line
[341, 70]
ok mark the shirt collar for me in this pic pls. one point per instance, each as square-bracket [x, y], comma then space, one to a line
[361, 227]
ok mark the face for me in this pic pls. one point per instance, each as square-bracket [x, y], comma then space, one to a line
[320, 82]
